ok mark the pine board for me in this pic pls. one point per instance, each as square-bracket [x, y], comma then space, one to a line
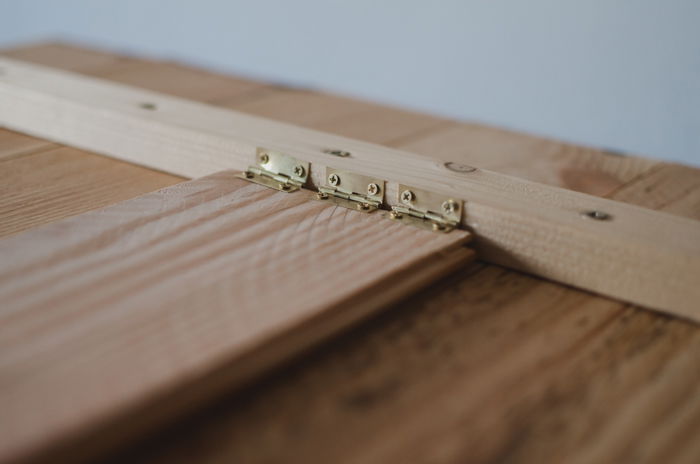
[184, 292]
[624, 390]
[526, 226]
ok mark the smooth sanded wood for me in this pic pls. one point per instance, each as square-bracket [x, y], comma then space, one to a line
[520, 224]
[115, 320]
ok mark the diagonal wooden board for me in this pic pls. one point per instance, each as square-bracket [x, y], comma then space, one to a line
[117, 319]
[637, 255]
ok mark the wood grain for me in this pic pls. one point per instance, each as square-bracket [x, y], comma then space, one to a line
[62, 182]
[183, 293]
[487, 366]
[519, 224]
[14, 144]
[623, 393]
[588, 170]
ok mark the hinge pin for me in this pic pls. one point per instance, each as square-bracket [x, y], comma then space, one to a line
[277, 170]
[426, 209]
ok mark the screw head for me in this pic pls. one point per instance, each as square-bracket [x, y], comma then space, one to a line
[264, 158]
[395, 215]
[407, 196]
[373, 189]
[299, 170]
[334, 179]
[449, 206]
[322, 196]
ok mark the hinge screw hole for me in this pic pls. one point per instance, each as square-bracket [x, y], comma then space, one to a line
[340, 153]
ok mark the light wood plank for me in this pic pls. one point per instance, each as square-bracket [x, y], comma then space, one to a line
[183, 293]
[550, 162]
[519, 224]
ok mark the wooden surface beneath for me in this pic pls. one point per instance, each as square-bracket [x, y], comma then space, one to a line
[487, 366]
[155, 288]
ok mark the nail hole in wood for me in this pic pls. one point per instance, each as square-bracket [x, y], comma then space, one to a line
[341, 153]
[148, 106]
[457, 167]
[597, 215]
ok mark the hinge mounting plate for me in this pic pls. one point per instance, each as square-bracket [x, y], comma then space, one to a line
[354, 191]
[277, 170]
[427, 210]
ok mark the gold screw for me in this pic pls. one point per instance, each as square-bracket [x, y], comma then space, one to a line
[395, 215]
[362, 206]
[264, 158]
[407, 196]
[449, 206]
[438, 226]
[373, 189]
[322, 196]
[299, 170]
[334, 179]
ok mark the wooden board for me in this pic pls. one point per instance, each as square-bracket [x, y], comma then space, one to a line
[55, 183]
[623, 390]
[182, 293]
[526, 226]
[488, 366]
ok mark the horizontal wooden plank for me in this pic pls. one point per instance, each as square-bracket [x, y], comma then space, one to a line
[13, 144]
[588, 170]
[182, 293]
[62, 182]
[520, 224]
[487, 366]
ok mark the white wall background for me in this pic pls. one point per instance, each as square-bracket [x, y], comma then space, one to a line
[619, 74]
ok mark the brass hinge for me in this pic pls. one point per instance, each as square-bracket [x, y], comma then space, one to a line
[353, 191]
[427, 210]
[277, 170]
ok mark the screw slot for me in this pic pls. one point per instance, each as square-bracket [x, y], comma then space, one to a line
[597, 215]
[407, 196]
[148, 106]
[341, 153]
[299, 171]
[457, 167]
